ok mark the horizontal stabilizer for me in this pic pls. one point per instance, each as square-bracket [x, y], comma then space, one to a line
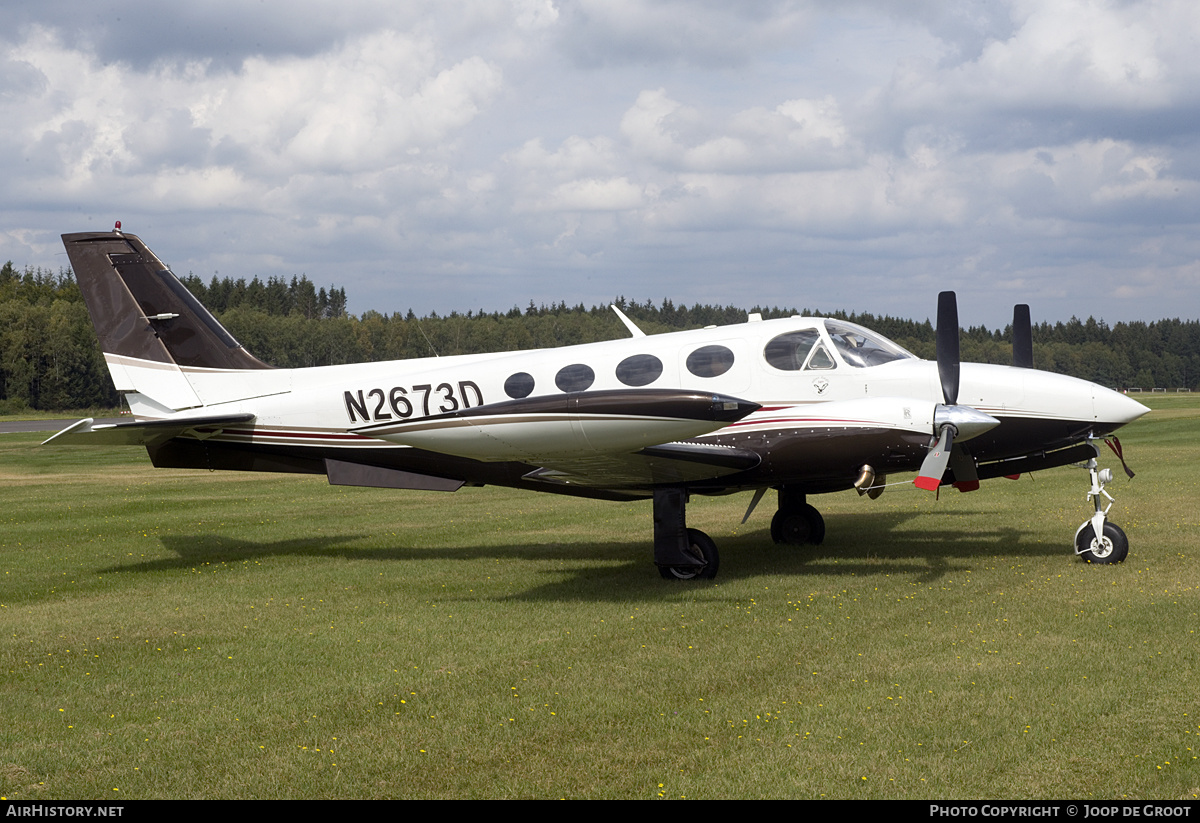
[88, 432]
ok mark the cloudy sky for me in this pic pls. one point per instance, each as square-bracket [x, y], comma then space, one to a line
[468, 154]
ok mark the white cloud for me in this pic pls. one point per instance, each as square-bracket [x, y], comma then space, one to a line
[1086, 180]
[1080, 54]
[884, 145]
[370, 103]
[697, 32]
[797, 134]
[613, 194]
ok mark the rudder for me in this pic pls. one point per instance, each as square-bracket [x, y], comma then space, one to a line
[151, 328]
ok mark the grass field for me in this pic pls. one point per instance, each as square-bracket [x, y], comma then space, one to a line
[176, 634]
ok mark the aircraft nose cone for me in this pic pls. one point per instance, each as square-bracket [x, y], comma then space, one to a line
[1113, 407]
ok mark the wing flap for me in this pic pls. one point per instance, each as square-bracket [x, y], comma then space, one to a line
[344, 473]
[666, 464]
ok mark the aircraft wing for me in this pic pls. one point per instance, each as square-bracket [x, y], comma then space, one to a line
[88, 432]
[577, 432]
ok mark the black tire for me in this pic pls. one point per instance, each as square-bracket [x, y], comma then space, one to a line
[800, 527]
[705, 550]
[1112, 548]
[816, 525]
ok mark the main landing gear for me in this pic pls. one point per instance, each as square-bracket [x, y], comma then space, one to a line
[1096, 540]
[679, 552]
[689, 554]
[797, 522]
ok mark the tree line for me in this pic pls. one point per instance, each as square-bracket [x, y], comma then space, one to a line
[50, 359]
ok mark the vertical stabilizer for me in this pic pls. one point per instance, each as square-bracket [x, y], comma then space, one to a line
[152, 330]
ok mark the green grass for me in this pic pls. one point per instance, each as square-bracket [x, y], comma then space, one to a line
[189, 634]
[67, 414]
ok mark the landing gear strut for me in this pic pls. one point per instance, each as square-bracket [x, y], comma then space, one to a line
[796, 522]
[679, 552]
[1096, 540]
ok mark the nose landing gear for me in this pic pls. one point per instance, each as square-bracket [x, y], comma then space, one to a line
[1096, 540]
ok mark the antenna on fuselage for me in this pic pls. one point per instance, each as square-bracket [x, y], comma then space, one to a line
[427, 340]
[633, 329]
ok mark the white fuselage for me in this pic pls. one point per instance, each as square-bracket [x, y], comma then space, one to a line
[817, 386]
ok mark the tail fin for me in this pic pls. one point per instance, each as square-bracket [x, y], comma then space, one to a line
[152, 331]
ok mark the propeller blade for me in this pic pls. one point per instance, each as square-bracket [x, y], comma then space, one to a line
[966, 476]
[947, 346]
[1022, 335]
[934, 465]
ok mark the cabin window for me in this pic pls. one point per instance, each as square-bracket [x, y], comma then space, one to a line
[519, 385]
[861, 348]
[710, 361]
[788, 352]
[576, 377]
[639, 370]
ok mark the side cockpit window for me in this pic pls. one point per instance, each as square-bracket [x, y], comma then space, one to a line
[787, 352]
[798, 350]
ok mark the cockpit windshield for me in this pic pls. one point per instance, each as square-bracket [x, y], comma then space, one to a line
[861, 348]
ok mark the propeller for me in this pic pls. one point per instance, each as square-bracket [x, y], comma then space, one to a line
[950, 420]
[934, 464]
[947, 346]
[1022, 336]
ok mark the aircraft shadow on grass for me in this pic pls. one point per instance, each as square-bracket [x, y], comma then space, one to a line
[865, 546]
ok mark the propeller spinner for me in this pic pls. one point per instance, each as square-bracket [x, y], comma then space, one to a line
[950, 420]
